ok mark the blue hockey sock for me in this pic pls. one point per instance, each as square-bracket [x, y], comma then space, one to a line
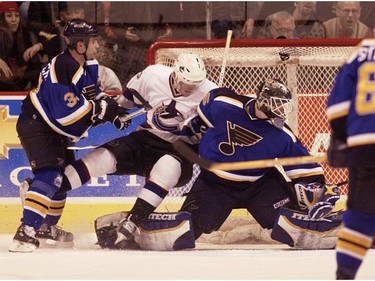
[354, 241]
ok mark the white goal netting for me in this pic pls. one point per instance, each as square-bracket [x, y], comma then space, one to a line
[308, 67]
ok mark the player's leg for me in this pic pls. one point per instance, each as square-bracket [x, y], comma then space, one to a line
[266, 197]
[359, 222]
[209, 202]
[47, 166]
[118, 157]
[50, 234]
[163, 170]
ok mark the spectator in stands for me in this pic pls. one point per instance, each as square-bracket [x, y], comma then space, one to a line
[227, 15]
[42, 22]
[19, 70]
[257, 12]
[346, 23]
[279, 25]
[306, 20]
[130, 28]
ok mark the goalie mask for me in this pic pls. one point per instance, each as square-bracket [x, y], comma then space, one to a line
[273, 99]
[78, 30]
[189, 72]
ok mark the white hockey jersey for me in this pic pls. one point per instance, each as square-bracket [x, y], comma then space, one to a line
[171, 112]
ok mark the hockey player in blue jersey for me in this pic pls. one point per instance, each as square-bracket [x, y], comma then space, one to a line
[241, 128]
[351, 113]
[66, 103]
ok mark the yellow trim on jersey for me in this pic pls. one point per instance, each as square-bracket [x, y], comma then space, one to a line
[77, 115]
[229, 100]
[338, 110]
[362, 139]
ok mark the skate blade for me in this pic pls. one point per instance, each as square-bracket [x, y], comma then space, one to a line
[49, 243]
[22, 247]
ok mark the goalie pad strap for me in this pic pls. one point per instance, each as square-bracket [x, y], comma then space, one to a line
[160, 232]
[296, 229]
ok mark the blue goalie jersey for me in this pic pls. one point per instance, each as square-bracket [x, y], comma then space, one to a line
[235, 134]
[59, 95]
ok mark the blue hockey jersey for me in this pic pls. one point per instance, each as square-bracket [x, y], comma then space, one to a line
[59, 95]
[235, 135]
[351, 104]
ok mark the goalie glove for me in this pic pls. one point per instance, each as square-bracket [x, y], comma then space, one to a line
[326, 202]
[317, 199]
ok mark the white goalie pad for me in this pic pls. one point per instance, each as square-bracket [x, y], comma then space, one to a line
[160, 232]
[298, 230]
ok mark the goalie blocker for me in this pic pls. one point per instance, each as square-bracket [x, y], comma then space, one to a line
[160, 232]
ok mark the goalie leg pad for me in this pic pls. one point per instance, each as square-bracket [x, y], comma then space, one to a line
[160, 232]
[166, 232]
[296, 229]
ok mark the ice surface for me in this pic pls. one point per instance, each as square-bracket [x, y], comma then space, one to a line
[87, 261]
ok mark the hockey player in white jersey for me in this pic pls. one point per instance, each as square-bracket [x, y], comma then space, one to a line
[173, 94]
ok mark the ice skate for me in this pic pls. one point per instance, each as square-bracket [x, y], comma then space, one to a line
[24, 241]
[54, 236]
[125, 238]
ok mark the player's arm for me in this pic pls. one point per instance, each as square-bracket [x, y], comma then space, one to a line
[80, 106]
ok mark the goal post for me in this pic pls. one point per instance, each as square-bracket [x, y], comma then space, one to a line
[307, 66]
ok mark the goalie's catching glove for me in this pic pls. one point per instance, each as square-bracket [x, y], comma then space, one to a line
[316, 198]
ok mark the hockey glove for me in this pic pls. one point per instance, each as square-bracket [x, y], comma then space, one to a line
[106, 110]
[326, 202]
[197, 125]
[316, 198]
[337, 153]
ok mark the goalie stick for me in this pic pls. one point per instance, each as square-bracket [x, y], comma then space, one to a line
[193, 157]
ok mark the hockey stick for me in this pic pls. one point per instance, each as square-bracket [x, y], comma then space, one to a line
[225, 57]
[193, 157]
[123, 119]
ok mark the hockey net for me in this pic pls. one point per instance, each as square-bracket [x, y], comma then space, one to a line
[307, 66]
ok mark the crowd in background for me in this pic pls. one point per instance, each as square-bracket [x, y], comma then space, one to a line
[30, 32]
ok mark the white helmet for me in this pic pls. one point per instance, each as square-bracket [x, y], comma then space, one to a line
[189, 72]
